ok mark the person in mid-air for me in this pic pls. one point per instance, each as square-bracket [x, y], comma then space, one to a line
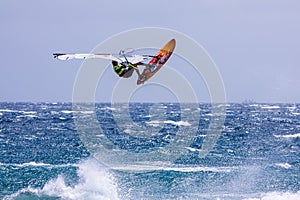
[125, 69]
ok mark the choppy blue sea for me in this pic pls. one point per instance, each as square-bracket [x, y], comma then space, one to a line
[43, 155]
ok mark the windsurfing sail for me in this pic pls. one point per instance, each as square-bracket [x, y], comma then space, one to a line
[116, 57]
[63, 56]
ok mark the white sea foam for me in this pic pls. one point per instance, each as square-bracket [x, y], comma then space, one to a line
[279, 119]
[29, 112]
[199, 169]
[82, 112]
[192, 149]
[35, 164]
[291, 107]
[53, 112]
[116, 107]
[277, 196]
[30, 116]
[269, 107]
[127, 131]
[284, 165]
[111, 108]
[95, 182]
[7, 110]
[179, 123]
[67, 111]
[202, 135]
[87, 112]
[288, 136]
[164, 167]
[154, 123]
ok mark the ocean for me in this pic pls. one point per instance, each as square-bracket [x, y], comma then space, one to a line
[62, 151]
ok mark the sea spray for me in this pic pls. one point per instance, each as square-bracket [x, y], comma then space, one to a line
[95, 182]
[277, 196]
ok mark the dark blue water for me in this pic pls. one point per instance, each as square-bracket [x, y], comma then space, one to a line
[44, 155]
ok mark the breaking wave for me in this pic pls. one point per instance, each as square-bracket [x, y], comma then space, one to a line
[95, 182]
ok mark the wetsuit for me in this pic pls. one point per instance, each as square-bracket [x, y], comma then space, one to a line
[123, 70]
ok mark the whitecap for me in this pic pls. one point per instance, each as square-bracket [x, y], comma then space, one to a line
[202, 135]
[67, 111]
[77, 111]
[112, 108]
[284, 165]
[54, 112]
[192, 149]
[95, 182]
[291, 107]
[36, 164]
[254, 105]
[154, 123]
[200, 169]
[269, 107]
[288, 136]
[29, 112]
[30, 116]
[8, 110]
[179, 123]
[87, 112]
[277, 196]
[163, 167]
[127, 131]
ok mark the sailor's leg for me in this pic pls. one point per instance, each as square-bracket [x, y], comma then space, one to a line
[151, 67]
[128, 73]
[141, 77]
[138, 72]
[133, 66]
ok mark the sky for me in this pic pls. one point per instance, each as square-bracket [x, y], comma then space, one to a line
[255, 44]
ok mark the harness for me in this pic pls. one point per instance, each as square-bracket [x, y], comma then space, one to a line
[122, 69]
[119, 69]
